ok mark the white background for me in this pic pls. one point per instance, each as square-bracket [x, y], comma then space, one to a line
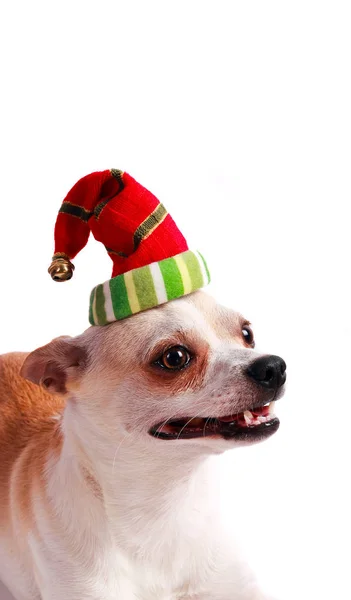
[237, 116]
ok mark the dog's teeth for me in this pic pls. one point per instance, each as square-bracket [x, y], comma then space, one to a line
[248, 417]
[271, 408]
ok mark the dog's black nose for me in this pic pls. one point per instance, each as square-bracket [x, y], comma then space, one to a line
[268, 371]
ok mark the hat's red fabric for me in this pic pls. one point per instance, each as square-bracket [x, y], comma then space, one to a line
[133, 225]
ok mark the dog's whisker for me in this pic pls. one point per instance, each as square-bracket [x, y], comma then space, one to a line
[117, 449]
[160, 427]
[207, 420]
[186, 424]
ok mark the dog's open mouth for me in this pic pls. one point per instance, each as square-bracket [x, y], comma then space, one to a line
[256, 424]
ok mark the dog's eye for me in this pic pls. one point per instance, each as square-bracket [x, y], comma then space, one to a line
[248, 335]
[174, 358]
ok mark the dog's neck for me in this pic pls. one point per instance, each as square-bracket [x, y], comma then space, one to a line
[140, 485]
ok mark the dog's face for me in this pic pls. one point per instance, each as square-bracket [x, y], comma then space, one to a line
[183, 373]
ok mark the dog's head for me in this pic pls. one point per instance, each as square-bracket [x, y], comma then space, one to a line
[183, 373]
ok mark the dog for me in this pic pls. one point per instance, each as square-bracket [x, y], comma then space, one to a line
[110, 444]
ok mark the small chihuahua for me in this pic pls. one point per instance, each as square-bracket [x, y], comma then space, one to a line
[110, 443]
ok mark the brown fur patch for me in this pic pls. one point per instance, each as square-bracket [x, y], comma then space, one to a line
[191, 376]
[27, 428]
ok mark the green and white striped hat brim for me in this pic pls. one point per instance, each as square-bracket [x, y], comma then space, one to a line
[147, 287]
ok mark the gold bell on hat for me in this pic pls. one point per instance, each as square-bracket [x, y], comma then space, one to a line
[61, 268]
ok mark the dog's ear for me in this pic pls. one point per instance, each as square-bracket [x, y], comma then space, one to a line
[56, 366]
